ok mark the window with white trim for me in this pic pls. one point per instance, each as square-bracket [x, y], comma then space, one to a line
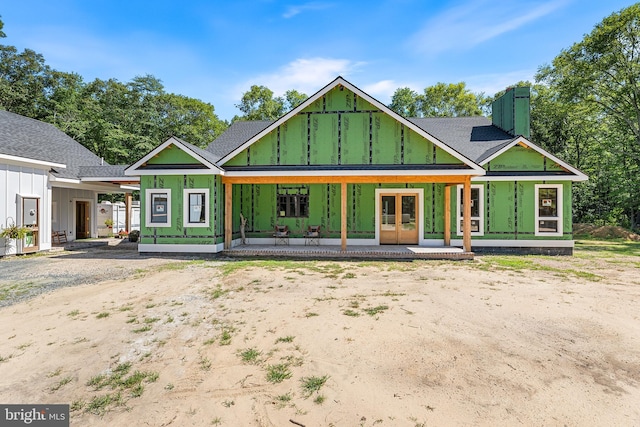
[196, 207]
[548, 209]
[158, 207]
[477, 210]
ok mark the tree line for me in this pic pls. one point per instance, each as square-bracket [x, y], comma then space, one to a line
[585, 109]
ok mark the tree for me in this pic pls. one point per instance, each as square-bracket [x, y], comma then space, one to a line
[24, 78]
[406, 102]
[2, 34]
[600, 77]
[450, 100]
[258, 103]
[441, 100]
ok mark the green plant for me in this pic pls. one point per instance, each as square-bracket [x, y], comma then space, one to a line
[278, 373]
[312, 385]
[14, 232]
[288, 338]
[250, 355]
[108, 222]
[134, 235]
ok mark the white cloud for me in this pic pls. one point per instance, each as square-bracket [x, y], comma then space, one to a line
[306, 75]
[491, 84]
[298, 9]
[477, 21]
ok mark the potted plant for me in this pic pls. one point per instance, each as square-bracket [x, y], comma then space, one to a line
[11, 233]
[108, 222]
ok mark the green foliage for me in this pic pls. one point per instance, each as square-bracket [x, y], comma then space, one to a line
[592, 102]
[440, 100]
[278, 373]
[117, 121]
[258, 103]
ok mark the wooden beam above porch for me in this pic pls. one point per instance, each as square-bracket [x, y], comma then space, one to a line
[364, 179]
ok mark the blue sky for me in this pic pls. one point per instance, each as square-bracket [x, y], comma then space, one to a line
[215, 50]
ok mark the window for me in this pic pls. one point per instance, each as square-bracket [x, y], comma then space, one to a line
[477, 210]
[293, 202]
[196, 207]
[548, 209]
[158, 209]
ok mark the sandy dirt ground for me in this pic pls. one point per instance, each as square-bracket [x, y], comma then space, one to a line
[144, 341]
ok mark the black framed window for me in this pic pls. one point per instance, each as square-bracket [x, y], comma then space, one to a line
[293, 202]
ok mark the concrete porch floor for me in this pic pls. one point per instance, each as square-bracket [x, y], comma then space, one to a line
[402, 252]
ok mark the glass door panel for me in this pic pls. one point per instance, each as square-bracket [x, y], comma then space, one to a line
[388, 232]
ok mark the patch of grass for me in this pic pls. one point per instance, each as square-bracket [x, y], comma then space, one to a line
[311, 314]
[145, 328]
[150, 305]
[61, 383]
[319, 400]
[24, 346]
[16, 290]
[312, 385]
[349, 276]
[209, 341]
[372, 311]
[225, 337]
[126, 308]
[54, 373]
[250, 355]
[149, 320]
[73, 313]
[102, 315]
[288, 338]
[228, 403]
[132, 320]
[205, 363]
[351, 313]
[284, 398]
[125, 387]
[216, 293]
[278, 373]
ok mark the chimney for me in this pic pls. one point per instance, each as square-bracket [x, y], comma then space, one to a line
[511, 111]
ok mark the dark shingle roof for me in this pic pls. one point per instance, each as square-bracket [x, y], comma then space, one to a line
[473, 137]
[24, 137]
[237, 134]
[104, 171]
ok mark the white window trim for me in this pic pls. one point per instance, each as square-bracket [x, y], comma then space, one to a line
[185, 204]
[480, 218]
[148, 207]
[555, 218]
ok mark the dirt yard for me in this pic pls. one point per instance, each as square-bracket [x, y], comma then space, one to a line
[131, 341]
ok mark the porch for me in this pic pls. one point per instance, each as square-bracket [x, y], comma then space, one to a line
[383, 252]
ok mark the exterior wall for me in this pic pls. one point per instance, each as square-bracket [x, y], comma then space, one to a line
[19, 180]
[63, 210]
[342, 129]
[258, 204]
[171, 238]
[509, 209]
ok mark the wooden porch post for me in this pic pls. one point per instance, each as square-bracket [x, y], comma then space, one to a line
[228, 214]
[447, 215]
[467, 215]
[343, 221]
[127, 212]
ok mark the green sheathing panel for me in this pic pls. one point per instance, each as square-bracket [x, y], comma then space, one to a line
[511, 112]
[519, 159]
[177, 233]
[172, 155]
[509, 209]
[340, 128]
[433, 210]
